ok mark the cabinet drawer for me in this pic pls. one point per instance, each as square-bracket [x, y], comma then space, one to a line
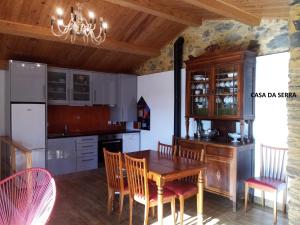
[87, 163]
[87, 146]
[219, 151]
[218, 176]
[87, 139]
[190, 145]
[87, 152]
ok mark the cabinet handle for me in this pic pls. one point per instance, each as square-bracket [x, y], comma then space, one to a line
[218, 175]
[87, 139]
[95, 97]
[86, 153]
[86, 160]
[87, 146]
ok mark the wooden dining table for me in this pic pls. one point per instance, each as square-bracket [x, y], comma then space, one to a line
[163, 168]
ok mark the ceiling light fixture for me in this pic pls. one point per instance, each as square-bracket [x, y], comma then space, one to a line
[79, 26]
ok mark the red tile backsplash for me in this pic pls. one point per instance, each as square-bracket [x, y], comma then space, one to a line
[80, 119]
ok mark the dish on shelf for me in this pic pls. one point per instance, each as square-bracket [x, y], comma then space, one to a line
[218, 100]
[234, 136]
[232, 74]
[197, 92]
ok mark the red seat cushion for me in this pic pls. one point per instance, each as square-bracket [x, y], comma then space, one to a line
[182, 188]
[153, 193]
[269, 182]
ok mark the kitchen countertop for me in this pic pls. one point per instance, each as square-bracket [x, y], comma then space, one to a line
[89, 133]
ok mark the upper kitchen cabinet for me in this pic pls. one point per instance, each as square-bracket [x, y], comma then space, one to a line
[126, 109]
[58, 86]
[27, 81]
[105, 89]
[219, 86]
[80, 87]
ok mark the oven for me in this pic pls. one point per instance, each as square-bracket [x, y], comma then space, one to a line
[112, 143]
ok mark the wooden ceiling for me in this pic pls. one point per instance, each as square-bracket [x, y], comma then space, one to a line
[138, 29]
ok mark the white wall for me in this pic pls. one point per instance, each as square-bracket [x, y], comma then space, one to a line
[2, 102]
[158, 91]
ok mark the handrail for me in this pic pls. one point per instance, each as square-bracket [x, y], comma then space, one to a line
[13, 148]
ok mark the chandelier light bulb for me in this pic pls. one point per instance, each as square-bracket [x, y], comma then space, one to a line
[59, 11]
[105, 25]
[60, 22]
[91, 15]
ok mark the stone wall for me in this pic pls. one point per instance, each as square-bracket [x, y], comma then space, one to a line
[271, 36]
[293, 105]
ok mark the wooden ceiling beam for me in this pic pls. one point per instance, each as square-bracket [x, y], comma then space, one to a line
[225, 9]
[163, 12]
[42, 33]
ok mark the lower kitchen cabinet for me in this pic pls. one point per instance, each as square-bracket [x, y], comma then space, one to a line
[61, 155]
[68, 155]
[87, 153]
[131, 142]
[228, 166]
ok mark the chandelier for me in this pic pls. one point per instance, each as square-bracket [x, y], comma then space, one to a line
[79, 26]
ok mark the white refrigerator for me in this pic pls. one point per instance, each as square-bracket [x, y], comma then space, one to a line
[28, 127]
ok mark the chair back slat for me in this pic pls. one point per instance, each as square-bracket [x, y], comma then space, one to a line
[137, 177]
[194, 154]
[273, 162]
[113, 167]
[166, 149]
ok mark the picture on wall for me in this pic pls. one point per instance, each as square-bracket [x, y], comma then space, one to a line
[143, 114]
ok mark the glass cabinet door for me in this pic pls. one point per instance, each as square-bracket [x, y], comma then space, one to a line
[57, 87]
[81, 88]
[199, 92]
[226, 90]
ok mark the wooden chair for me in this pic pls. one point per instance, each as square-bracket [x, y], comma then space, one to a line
[166, 149]
[141, 190]
[187, 187]
[115, 179]
[272, 176]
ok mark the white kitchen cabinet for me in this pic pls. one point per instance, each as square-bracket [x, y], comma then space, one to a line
[105, 87]
[28, 81]
[126, 108]
[61, 155]
[131, 142]
[87, 153]
[80, 87]
[58, 86]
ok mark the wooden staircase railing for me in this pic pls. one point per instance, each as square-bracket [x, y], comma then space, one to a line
[8, 151]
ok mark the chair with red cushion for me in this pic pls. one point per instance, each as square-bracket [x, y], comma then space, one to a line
[115, 179]
[141, 190]
[272, 175]
[187, 187]
[27, 197]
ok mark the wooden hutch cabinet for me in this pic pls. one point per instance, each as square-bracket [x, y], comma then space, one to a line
[218, 88]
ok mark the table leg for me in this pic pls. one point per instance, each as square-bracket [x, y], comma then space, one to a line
[160, 192]
[200, 198]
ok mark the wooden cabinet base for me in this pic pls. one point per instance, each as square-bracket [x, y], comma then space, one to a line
[228, 165]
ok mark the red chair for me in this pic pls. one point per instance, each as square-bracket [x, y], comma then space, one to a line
[272, 176]
[27, 197]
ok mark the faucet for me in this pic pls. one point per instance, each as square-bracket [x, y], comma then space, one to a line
[66, 129]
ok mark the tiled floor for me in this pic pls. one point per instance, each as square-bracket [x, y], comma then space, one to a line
[82, 200]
